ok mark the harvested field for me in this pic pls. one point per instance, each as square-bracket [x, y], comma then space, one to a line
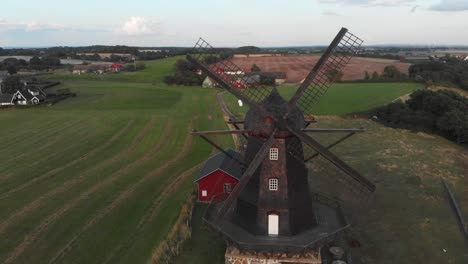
[297, 67]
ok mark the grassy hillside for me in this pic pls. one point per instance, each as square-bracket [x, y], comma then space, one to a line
[409, 220]
[100, 178]
[344, 98]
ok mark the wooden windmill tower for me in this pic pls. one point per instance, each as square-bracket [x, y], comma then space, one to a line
[272, 208]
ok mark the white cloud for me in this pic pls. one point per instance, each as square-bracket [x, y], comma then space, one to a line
[139, 26]
[40, 26]
[369, 2]
[451, 5]
[330, 13]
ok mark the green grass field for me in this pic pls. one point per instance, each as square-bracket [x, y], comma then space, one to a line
[100, 178]
[405, 222]
[344, 98]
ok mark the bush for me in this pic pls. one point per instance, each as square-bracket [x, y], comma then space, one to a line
[185, 74]
[441, 112]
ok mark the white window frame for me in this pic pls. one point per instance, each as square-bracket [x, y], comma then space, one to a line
[227, 187]
[274, 153]
[204, 193]
[273, 184]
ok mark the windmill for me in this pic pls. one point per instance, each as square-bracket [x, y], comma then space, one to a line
[272, 208]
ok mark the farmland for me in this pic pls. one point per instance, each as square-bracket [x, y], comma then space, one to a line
[100, 178]
[297, 67]
[344, 98]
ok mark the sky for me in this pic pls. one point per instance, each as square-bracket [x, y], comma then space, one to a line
[264, 23]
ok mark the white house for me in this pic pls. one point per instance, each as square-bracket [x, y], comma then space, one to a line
[30, 96]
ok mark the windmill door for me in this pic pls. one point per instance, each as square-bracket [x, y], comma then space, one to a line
[273, 224]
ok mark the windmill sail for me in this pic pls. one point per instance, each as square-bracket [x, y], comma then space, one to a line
[327, 70]
[219, 66]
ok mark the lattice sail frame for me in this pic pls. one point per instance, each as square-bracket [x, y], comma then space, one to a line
[229, 72]
[327, 171]
[318, 84]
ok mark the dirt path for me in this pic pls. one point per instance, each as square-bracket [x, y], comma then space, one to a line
[228, 115]
[37, 202]
[455, 90]
[131, 189]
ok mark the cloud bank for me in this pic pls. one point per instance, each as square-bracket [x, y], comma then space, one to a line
[451, 6]
[139, 26]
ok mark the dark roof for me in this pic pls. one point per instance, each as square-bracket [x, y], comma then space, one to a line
[276, 75]
[222, 162]
[26, 95]
[278, 106]
[6, 97]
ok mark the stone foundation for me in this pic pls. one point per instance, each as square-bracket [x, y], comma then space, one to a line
[234, 256]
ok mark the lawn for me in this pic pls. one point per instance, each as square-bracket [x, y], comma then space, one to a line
[406, 222]
[97, 178]
[343, 98]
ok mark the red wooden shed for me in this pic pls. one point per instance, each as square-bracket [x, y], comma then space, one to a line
[218, 177]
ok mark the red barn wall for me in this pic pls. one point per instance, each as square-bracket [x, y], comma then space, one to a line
[214, 185]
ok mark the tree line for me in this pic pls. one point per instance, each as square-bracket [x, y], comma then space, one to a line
[452, 72]
[442, 112]
[13, 65]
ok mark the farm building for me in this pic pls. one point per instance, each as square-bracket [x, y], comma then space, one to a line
[208, 83]
[6, 99]
[29, 96]
[116, 67]
[278, 77]
[91, 68]
[218, 177]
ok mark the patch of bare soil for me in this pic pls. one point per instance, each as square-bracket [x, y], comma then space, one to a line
[297, 67]
[455, 90]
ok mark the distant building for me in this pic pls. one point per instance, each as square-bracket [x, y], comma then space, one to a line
[208, 83]
[116, 67]
[6, 99]
[151, 50]
[91, 68]
[417, 58]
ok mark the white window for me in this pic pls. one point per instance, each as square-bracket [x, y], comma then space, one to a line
[274, 154]
[273, 184]
[227, 188]
[204, 193]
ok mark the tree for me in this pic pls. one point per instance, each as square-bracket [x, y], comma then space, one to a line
[391, 72]
[11, 69]
[140, 66]
[255, 68]
[334, 75]
[366, 76]
[375, 76]
[455, 123]
[11, 84]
